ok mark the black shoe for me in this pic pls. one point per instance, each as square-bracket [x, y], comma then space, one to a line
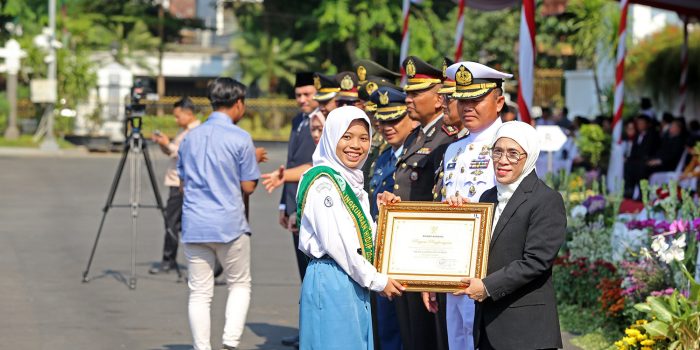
[228, 347]
[291, 341]
[163, 267]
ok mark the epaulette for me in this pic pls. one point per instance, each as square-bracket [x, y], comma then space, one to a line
[450, 130]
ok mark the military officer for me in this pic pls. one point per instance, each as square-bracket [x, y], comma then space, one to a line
[414, 181]
[327, 89]
[348, 94]
[452, 121]
[467, 172]
[371, 76]
[395, 126]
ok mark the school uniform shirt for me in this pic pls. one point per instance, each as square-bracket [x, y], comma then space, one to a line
[327, 229]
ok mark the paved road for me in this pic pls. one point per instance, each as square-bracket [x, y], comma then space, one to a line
[50, 207]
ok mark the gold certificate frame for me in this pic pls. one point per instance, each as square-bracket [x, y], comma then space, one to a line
[430, 247]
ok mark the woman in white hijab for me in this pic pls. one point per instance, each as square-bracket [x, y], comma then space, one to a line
[337, 233]
[516, 306]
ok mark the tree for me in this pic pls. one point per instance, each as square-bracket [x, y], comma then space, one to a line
[653, 65]
[595, 27]
[267, 60]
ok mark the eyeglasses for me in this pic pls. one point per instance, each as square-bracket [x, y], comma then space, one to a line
[513, 156]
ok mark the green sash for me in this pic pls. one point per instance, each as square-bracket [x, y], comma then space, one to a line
[352, 204]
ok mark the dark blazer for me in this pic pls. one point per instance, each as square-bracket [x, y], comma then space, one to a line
[300, 150]
[521, 312]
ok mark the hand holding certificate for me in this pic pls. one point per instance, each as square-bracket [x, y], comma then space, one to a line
[430, 246]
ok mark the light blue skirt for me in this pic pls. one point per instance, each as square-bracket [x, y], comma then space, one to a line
[335, 310]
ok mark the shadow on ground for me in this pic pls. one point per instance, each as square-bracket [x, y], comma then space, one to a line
[175, 347]
[272, 334]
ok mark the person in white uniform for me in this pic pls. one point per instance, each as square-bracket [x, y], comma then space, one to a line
[467, 172]
[337, 233]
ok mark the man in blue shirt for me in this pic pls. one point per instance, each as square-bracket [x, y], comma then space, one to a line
[218, 168]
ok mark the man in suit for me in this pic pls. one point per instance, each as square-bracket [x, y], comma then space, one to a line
[671, 150]
[414, 181]
[642, 150]
[299, 151]
[516, 304]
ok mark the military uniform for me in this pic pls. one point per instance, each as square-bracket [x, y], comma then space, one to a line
[371, 76]
[414, 181]
[468, 172]
[391, 106]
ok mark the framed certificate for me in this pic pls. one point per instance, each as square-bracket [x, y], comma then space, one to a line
[429, 247]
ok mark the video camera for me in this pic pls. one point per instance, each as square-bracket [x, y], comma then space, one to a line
[135, 109]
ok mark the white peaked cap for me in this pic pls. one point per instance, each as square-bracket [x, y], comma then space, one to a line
[478, 70]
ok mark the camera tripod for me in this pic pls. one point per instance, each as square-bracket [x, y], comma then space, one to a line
[134, 148]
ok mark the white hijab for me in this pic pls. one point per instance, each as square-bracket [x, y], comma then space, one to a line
[526, 136]
[336, 125]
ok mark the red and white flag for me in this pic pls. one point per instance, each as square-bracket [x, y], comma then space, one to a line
[616, 165]
[526, 64]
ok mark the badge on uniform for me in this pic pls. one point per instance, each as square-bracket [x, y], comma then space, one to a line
[328, 201]
[424, 150]
[414, 176]
[451, 166]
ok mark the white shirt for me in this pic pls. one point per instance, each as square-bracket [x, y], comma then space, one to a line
[327, 228]
[430, 125]
[172, 179]
[467, 166]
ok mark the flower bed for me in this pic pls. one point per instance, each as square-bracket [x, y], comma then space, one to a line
[627, 281]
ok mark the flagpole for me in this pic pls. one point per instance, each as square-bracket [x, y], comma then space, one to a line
[526, 64]
[684, 68]
[459, 32]
[404, 39]
[615, 167]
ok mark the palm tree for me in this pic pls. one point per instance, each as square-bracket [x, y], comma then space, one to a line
[266, 60]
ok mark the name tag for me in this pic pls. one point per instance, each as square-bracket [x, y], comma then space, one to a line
[451, 166]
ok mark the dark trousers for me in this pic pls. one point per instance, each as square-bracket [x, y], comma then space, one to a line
[173, 224]
[385, 324]
[419, 328]
[302, 259]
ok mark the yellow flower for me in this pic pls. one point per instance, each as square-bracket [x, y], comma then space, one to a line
[631, 332]
[646, 348]
[641, 322]
[575, 197]
[648, 342]
[630, 340]
[641, 337]
[576, 182]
